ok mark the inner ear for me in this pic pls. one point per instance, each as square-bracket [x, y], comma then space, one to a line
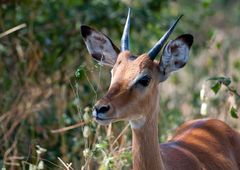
[177, 46]
[176, 52]
[99, 46]
[175, 55]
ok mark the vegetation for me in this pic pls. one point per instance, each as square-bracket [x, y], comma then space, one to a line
[49, 83]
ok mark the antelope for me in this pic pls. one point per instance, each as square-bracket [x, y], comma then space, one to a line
[133, 96]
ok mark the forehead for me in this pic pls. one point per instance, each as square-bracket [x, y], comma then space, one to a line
[128, 65]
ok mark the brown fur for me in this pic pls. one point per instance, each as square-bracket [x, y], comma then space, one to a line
[200, 144]
[206, 143]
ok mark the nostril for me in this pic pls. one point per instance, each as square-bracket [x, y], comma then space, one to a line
[103, 109]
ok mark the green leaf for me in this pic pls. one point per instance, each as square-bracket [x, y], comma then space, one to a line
[218, 45]
[79, 73]
[224, 80]
[206, 3]
[227, 82]
[220, 78]
[215, 88]
[102, 145]
[236, 64]
[233, 112]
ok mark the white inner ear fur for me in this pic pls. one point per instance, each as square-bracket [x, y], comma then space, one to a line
[99, 44]
[175, 52]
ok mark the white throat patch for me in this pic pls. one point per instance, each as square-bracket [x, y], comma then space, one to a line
[137, 123]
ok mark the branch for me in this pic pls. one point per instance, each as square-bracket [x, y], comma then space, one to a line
[69, 127]
[12, 30]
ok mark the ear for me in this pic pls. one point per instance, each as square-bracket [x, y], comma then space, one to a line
[99, 46]
[175, 55]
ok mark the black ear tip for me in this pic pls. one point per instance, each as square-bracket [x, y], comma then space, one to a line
[85, 31]
[190, 39]
[187, 38]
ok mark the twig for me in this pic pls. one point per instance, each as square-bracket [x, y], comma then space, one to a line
[15, 158]
[234, 91]
[13, 30]
[44, 160]
[66, 165]
[68, 128]
[9, 150]
[123, 131]
[3, 117]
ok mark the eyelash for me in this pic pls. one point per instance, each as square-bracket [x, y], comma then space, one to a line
[144, 81]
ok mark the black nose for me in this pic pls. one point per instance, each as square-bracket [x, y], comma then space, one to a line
[102, 109]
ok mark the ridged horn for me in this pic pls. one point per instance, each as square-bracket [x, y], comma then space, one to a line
[158, 46]
[125, 41]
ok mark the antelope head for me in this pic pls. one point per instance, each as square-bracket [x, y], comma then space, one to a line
[133, 91]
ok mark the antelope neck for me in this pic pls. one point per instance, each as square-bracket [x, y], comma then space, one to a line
[145, 146]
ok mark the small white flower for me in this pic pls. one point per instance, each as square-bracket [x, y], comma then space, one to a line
[86, 132]
[203, 110]
[202, 93]
[232, 101]
[40, 149]
[40, 165]
[76, 102]
[32, 167]
[86, 117]
[86, 152]
[86, 109]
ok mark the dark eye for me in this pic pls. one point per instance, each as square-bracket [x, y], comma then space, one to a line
[144, 81]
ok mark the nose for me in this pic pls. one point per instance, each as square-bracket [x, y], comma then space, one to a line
[102, 108]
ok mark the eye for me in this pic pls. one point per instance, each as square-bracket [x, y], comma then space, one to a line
[144, 81]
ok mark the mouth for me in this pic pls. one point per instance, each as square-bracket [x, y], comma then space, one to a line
[102, 120]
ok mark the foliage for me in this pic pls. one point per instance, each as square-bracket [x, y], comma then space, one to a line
[48, 82]
[217, 86]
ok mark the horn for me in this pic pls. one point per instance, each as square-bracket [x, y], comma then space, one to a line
[158, 46]
[125, 41]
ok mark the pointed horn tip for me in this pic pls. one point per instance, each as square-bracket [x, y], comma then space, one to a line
[180, 16]
[156, 49]
[125, 37]
[129, 12]
[178, 19]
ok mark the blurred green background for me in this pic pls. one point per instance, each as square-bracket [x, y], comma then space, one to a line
[49, 83]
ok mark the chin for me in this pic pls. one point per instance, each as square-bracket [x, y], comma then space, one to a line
[103, 122]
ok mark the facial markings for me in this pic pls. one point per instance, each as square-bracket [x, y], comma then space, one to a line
[143, 73]
[122, 93]
[128, 71]
[113, 91]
